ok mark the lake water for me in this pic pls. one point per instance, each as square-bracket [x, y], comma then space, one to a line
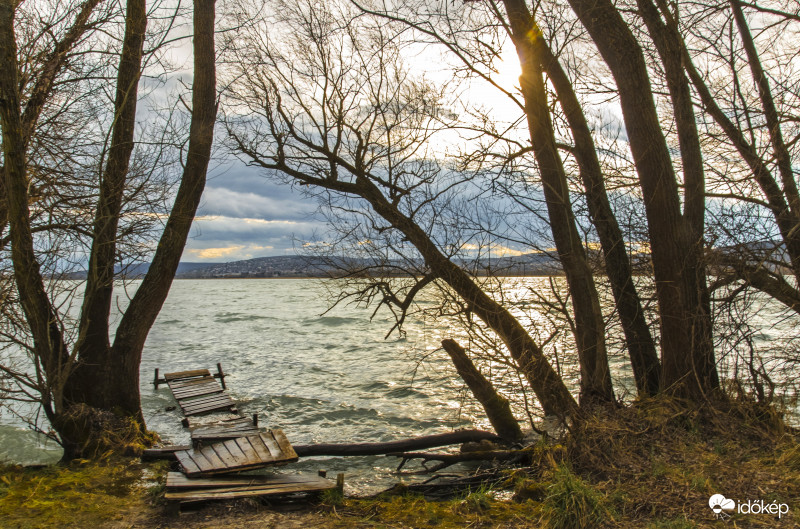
[320, 377]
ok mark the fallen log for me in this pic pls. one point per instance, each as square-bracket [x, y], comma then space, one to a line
[404, 445]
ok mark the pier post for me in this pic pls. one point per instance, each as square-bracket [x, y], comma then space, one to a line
[221, 375]
[155, 380]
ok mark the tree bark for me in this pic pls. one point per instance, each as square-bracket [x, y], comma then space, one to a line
[91, 384]
[589, 324]
[641, 346]
[132, 331]
[497, 409]
[688, 364]
[41, 318]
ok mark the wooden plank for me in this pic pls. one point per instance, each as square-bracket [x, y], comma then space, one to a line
[165, 452]
[208, 406]
[195, 405]
[199, 389]
[194, 387]
[186, 374]
[187, 462]
[213, 458]
[233, 456]
[283, 442]
[223, 429]
[247, 491]
[197, 422]
[270, 444]
[201, 461]
[189, 382]
[177, 480]
[209, 409]
[236, 452]
[225, 422]
[185, 382]
[260, 448]
[193, 408]
[219, 436]
[207, 396]
[248, 449]
[224, 454]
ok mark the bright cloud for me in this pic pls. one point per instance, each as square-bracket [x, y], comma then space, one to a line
[496, 250]
[214, 253]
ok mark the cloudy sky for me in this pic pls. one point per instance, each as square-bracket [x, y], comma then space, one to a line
[244, 215]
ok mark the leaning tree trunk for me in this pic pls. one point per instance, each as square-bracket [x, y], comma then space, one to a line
[638, 339]
[497, 408]
[589, 325]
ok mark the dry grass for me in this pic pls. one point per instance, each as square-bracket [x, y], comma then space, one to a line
[661, 459]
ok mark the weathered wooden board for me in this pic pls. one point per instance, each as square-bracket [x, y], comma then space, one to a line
[207, 404]
[203, 421]
[233, 455]
[187, 374]
[184, 490]
[196, 390]
[165, 452]
[212, 433]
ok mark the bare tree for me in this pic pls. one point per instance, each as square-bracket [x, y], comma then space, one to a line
[336, 110]
[86, 381]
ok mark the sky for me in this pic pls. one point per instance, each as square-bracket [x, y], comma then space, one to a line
[243, 215]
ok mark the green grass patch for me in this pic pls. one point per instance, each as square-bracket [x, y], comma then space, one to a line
[78, 495]
[572, 503]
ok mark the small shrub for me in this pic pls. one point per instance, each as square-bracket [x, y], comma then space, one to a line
[571, 503]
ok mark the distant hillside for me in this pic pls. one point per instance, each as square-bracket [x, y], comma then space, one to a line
[138, 270]
[305, 266]
[278, 266]
[302, 266]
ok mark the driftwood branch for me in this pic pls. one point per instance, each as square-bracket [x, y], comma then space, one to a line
[451, 459]
[404, 445]
[362, 449]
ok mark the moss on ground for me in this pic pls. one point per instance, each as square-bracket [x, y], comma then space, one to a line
[82, 494]
[650, 465]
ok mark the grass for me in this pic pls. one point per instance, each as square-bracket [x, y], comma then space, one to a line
[78, 495]
[572, 503]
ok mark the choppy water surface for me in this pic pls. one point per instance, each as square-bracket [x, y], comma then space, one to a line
[321, 377]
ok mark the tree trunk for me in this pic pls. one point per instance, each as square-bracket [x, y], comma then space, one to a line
[589, 324]
[641, 346]
[529, 357]
[688, 365]
[404, 445]
[91, 384]
[150, 296]
[497, 409]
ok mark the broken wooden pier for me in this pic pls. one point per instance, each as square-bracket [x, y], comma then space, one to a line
[227, 444]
